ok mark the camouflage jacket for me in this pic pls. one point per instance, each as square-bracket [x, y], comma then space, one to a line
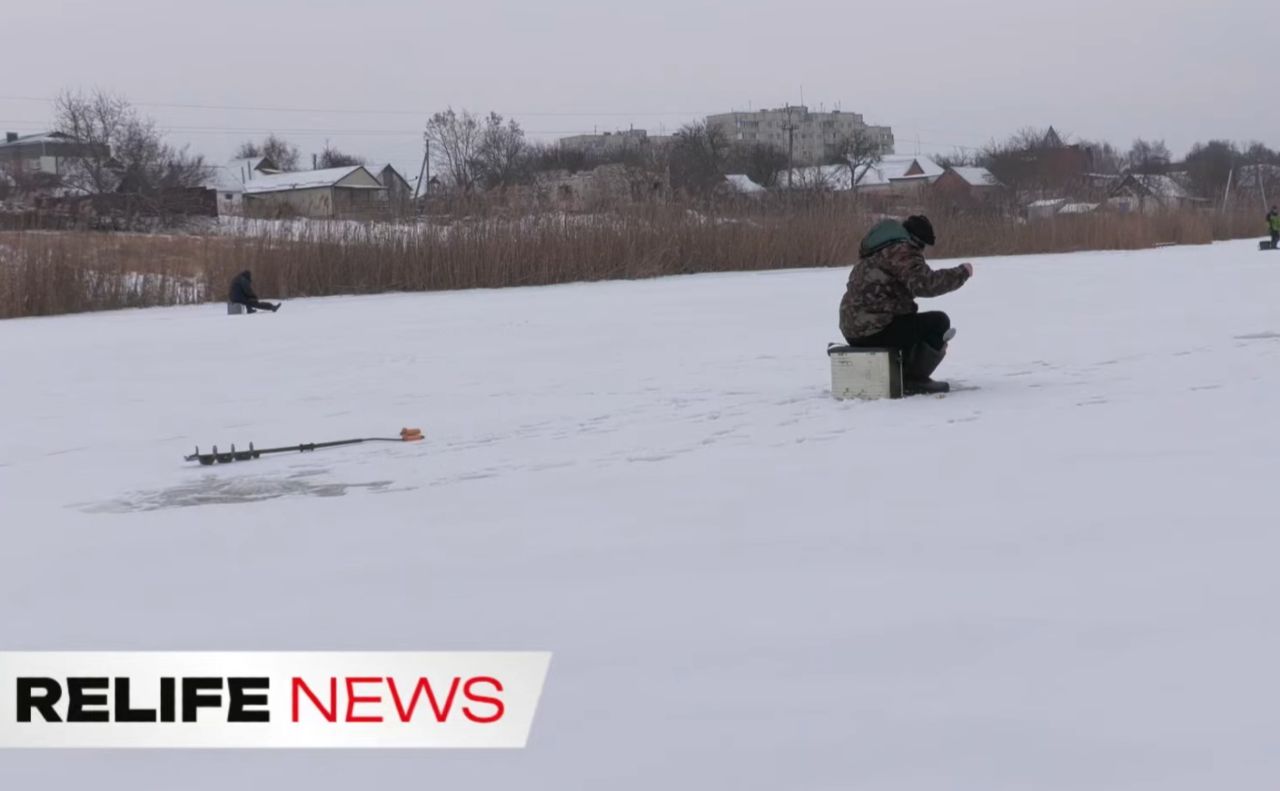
[885, 283]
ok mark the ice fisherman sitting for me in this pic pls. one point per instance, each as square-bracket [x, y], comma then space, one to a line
[879, 307]
[242, 293]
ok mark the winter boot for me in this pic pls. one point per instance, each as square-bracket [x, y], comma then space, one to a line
[921, 361]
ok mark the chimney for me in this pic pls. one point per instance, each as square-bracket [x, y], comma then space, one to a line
[10, 137]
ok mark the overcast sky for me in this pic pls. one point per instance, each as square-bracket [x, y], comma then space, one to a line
[368, 73]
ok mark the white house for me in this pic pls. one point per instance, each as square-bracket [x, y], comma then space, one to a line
[892, 173]
[44, 152]
[332, 193]
[1152, 194]
[229, 181]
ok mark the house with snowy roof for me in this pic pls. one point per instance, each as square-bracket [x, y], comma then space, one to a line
[967, 187]
[1144, 193]
[1044, 208]
[346, 192]
[44, 152]
[892, 174]
[228, 181]
[249, 168]
[399, 191]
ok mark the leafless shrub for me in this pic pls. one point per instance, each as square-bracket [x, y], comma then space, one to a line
[501, 157]
[331, 157]
[698, 156]
[455, 140]
[283, 154]
[857, 151]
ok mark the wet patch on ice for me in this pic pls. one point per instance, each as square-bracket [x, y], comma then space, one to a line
[219, 490]
[1259, 336]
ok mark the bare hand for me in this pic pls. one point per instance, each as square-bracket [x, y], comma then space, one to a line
[967, 268]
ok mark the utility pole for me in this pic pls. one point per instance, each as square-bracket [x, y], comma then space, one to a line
[791, 148]
[1262, 183]
[422, 171]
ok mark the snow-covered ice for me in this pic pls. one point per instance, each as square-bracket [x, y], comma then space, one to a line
[1062, 579]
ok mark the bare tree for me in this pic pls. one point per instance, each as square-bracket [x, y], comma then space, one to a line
[331, 157]
[1039, 163]
[97, 123]
[857, 151]
[500, 155]
[959, 158]
[697, 158]
[280, 151]
[1107, 159]
[283, 154]
[455, 140]
[1149, 156]
[761, 162]
[1209, 166]
[1260, 154]
[119, 150]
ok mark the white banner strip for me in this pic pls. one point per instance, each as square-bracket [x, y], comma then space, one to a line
[269, 700]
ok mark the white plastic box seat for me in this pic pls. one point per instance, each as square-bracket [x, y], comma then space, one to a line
[235, 309]
[866, 373]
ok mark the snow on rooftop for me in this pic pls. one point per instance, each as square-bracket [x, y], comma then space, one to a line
[1165, 187]
[38, 137]
[895, 167]
[740, 182]
[223, 178]
[305, 179]
[976, 177]
[889, 170]
[1079, 208]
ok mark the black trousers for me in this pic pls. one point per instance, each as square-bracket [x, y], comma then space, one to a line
[906, 331]
[257, 304]
[1275, 239]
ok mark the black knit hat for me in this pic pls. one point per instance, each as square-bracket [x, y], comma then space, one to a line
[919, 226]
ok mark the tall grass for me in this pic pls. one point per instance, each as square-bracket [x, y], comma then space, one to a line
[45, 273]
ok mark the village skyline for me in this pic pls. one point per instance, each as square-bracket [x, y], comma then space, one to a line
[943, 76]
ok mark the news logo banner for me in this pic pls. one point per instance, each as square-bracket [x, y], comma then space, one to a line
[269, 700]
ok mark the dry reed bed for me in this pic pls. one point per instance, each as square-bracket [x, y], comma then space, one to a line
[43, 273]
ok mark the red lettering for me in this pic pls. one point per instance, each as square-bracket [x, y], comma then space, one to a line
[424, 685]
[353, 699]
[330, 714]
[499, 708]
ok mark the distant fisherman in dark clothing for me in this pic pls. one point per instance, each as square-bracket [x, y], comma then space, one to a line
[1273, 225]
[242, 293]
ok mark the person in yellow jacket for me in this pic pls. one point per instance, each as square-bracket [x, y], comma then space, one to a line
[1273, 224]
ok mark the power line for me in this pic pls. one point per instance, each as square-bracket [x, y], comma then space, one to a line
[303, 130]
[350, 111]
[208, 129]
